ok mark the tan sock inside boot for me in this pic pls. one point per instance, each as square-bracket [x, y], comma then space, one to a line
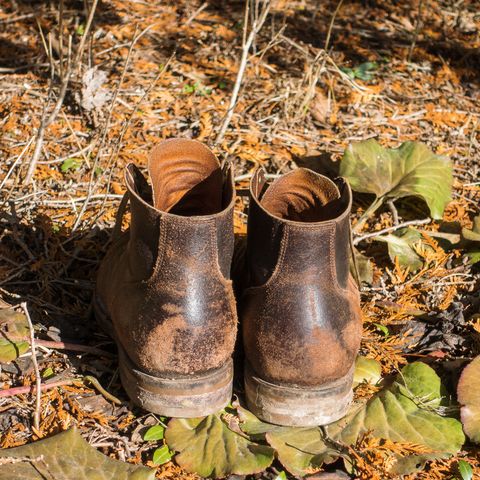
[302, 196]
[186, 178]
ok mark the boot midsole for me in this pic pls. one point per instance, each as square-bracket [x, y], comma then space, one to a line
[296, 405]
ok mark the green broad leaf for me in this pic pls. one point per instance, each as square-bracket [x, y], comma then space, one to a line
[364, 267]
[419, 382]
[405, 411]
[14, 332]
[410, 170]
[465, 470]
[66, 456]
[472, 235]
[472, 238]
[474, 256]
[402, 246]
[281, 476]
[207, 446]
[253, 426]
[468, 394]
[70, 164]
[154, 433]
[367, 370]
[162, 455]
[303, 451]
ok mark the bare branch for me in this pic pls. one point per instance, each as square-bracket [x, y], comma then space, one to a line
[45, 122]
[38, 378]
[257, 25]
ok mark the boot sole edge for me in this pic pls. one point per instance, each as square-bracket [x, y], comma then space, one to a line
[297, 406]
[170, 396]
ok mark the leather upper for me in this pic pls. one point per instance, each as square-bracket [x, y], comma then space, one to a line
[165, 282]
[300, 310]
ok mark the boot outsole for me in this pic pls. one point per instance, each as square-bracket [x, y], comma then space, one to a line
[173, 396]
[298, 406]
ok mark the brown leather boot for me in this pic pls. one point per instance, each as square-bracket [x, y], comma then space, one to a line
[300, 308]
[163, 289]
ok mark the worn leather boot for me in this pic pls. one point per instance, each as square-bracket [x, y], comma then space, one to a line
[163, 289]
[300, 307]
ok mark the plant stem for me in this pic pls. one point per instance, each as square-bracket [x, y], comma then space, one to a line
[98, 386]
[10, 392]
[38, 378]
[377, 203]
[424, 221]
[394, 211]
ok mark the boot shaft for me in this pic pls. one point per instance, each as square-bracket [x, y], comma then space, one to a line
[302, 220]
[187, 211]
[300, 311]
[165, 283]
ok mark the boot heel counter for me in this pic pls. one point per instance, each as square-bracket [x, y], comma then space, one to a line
[194, 325]
[304, 302]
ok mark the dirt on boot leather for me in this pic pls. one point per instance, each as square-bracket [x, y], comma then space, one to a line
[163, 289]
[300, 308]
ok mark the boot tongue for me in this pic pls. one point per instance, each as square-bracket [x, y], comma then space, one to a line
[303, 196]
[186, 178]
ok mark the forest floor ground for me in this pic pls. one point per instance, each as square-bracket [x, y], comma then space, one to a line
[167, 69]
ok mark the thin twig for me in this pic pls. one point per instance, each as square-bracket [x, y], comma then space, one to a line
[85, 34]
[424, 221]
[417, 30]
[393, 211]
[74, 347]
[330, 27]
[256, 27]
[15, 163]
[46, 121]
[38, 378]
[126, 126]
[91, 184]
[377, 203]
[196, 13]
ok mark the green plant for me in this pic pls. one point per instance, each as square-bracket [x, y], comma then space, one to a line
[407, 410]
[390, 174]
[162, 455]
[465, 470]
[154, 433]
[365, 71]
[70, 164]
[196, 88]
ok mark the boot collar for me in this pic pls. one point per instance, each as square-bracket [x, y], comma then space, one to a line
[329, 200]
[182, 170]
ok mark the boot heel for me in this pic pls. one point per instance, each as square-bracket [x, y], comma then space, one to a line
[175, 396]
[300, 406]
